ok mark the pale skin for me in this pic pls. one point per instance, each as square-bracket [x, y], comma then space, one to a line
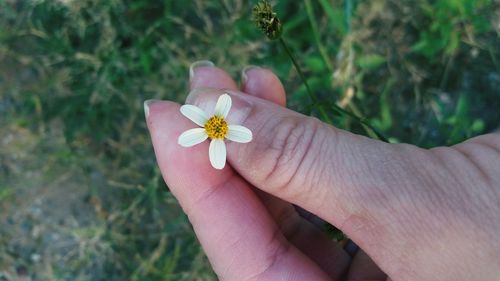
[416, 214]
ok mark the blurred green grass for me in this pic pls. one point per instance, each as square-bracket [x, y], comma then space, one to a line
[74, 74]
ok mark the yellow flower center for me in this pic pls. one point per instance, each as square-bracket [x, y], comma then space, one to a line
[216, 127]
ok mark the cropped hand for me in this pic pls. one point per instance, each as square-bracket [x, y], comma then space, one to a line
[416, 214]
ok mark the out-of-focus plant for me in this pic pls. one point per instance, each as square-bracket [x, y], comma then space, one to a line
[446, 23]
[269, 23]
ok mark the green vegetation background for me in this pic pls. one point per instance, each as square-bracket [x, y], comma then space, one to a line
[81, 197]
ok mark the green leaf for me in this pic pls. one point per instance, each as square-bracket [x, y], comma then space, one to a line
[477, 126]
[370, 61]
[5, 192]
[336, 16]
[385, 106]
[315, 64]
[453, 44]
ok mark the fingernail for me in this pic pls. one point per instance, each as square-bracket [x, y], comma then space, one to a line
[197, 64]
[244, 75]
[147, 104]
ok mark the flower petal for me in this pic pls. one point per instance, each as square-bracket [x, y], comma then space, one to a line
[195, 114]
[217, 153]
[223, 105]
[239, 133]
[192, 137]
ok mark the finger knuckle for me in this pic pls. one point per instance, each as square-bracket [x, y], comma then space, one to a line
[292, 146]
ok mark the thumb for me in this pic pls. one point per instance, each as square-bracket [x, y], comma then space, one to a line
[344, 178]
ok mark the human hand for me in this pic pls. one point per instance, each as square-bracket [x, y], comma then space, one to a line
[419, 214]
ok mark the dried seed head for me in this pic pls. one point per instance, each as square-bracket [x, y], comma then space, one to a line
[267, 20]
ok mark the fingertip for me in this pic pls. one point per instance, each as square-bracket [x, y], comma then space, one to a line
[198, 64]
[158, 109]
[166, 124]
[245, 72]
[262, 83]
[146, 107]
[204, 74]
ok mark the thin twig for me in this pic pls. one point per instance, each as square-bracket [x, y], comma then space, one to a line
[303, 78]
[321, 107]
[314, 27]
[362, 121]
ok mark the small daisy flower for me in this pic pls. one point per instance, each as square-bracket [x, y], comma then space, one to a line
[216, 128]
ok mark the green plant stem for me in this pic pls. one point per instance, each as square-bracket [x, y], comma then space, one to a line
[303, 78]
[322, 50]
[348, 14]
[352, 107]
[321, 107]
[362, 121]
[324, 54]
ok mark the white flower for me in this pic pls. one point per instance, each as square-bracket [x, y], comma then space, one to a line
[216, 128]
